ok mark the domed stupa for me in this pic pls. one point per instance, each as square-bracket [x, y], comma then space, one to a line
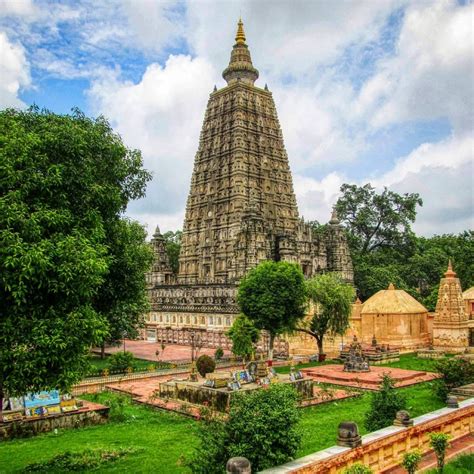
[396, 318]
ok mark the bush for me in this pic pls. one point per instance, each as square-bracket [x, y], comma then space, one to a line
[454, 372]
[262, 426]
[384, 405]
[89, 459]
[439, 442]
[411, 459]
[121, 361]
[219, 354]
[358, 468]
[205, 365]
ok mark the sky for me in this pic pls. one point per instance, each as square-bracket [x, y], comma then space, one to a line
[368, 91]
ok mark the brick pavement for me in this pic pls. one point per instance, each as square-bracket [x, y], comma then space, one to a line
[335, 374]
[172, 352]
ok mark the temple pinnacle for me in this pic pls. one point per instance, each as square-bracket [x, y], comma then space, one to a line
[450, 273]
[240, 36]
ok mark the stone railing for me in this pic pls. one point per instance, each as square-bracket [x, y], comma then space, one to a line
[384, 449]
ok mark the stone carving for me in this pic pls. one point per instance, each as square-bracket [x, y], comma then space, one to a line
[241, 208]
[348, 434]
[452, 402]
[402, 418]
[356, 361]
[238, 465]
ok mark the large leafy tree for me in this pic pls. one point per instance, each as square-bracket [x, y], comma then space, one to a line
[65, 182]
[332, 300]
[273, 296]
[244, 335]
[377, 220]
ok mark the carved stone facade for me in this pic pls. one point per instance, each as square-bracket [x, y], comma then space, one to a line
[241, 209]
[450, 325]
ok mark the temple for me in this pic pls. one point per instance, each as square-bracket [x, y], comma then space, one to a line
[241, 210]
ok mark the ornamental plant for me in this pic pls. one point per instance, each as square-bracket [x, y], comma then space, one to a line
[121, 361]
[440, 443]
[219, 353]
[358, 468]
[384, 405]
[411, 459]
[205, 365]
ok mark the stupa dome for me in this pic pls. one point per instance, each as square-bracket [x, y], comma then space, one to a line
[392, 301]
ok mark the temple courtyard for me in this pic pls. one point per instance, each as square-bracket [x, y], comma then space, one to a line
[159, 439]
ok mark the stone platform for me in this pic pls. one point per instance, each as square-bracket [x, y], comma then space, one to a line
[89, 413]
[463, 392]
[146, 392]
[334, 374]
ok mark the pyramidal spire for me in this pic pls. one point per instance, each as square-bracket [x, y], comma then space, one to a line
[240, 36]
[450, 273]
[240, 67]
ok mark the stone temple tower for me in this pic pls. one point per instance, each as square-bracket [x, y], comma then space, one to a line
[241, 208]
[450, 324]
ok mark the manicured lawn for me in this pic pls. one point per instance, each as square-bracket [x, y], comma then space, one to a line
[161, 438]
[412, 362]
[97, 364]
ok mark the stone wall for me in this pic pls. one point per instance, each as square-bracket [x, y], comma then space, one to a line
[384, 449]
[92, 414]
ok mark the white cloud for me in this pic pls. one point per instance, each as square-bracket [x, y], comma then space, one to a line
[14, 72]
[162, 116]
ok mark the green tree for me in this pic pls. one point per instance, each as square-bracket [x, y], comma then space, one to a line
[332, 300]
[244, 335]
[122, 299]
[440, 443]
[377, 220]
[266, 419]
[173, 247]
[63, 181]
[384, 405]
[454, 373]
[272, 295]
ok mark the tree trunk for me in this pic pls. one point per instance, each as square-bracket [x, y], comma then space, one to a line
[320, 345]
[1, 402]
[270, 349]
[102, 350]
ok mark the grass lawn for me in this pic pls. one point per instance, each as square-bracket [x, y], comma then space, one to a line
[161, 438]
[97, 364]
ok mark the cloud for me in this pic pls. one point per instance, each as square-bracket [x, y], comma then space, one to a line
[14, 72]
[162, 116]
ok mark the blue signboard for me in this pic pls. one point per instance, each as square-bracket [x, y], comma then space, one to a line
[42, 399]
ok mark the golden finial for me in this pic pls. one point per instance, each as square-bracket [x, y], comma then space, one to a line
[240, 36]
[450, 273]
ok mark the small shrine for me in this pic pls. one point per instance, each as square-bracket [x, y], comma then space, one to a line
[355, 360]
[218, 388]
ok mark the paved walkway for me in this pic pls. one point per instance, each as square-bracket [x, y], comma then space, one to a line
[147, 350]
[367, 380]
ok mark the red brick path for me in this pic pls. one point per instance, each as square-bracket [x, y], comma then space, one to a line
[172, 352]
[366, 380]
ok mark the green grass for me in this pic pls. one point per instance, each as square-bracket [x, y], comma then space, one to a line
[160, 438]
[412, 362]
[463, 464]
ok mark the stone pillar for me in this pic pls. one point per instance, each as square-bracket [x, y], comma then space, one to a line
[238, 465]
[348, 434]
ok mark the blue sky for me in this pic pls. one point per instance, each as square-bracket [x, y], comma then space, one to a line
[376, 91]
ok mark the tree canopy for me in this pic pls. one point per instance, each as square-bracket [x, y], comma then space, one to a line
[332, 300]
[272, 296]
[244, 335]
[173, 246]
[65, 182]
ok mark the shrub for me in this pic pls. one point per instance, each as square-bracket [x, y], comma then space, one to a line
[219, 353]
[358, 468]
[454, 372]
[205, 365]
[261, 426]
[121, 361]
[411, 459]
[439, 442]
[89, 459]
[384, 405]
